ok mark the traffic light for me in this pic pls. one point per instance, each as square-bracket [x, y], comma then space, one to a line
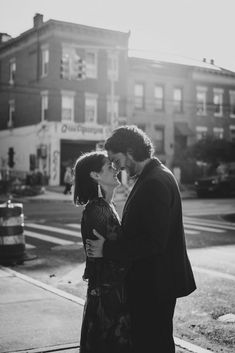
[79, 69]
[65, 67]
[11, 153]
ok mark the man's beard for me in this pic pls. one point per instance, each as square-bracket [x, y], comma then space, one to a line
[132, 170]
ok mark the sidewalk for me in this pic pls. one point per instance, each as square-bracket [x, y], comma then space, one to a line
[38, 318]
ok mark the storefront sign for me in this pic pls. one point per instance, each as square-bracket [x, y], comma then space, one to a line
[71, 128]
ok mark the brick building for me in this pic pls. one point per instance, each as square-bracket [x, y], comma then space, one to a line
[177, 104]
[65, 86]
[50, 112]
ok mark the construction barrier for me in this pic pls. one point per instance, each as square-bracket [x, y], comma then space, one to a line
[12, 240]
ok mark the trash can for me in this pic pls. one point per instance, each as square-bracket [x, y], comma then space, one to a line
[12, 240]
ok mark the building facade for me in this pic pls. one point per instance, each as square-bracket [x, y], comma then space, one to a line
[63, 87]
[178, 104]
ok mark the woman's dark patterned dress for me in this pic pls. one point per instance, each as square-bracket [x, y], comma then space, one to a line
[106, 321]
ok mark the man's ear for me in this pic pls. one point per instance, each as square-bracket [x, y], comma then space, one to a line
[94, 175]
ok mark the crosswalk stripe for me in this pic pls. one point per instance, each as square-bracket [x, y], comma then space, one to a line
[29, 246]
[187, 231]
[206, 223]
[53, 229]
[208, 229]
[74, 225]
[49, 238]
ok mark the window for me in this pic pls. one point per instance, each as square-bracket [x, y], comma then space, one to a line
[232, 104]
[158, 98]
[91, 109]
[201, 132]
[139, 96]
[218, 102]
[91, 64]
[178, 100]
[201, 100]
[12, 71]
[112, 120]
[67, 106]
[45, 61]
[11, 114]
[232, 132]
[218, 132]
[159, 139]
[44, 105]
[113, 69]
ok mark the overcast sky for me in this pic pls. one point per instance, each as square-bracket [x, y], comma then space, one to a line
[163, 29]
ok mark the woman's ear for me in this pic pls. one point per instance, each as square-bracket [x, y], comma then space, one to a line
[94, 175]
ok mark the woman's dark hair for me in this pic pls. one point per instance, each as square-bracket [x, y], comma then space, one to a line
[85, 188]
[130, 139]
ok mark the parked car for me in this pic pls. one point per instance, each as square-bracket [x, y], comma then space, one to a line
[218, 184]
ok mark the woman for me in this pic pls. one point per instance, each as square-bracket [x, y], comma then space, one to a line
[106, 323]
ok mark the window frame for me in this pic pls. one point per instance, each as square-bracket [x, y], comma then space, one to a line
[220, 92]
[44, 105]
[92, 98]
[178, 104]
[139, 98]
[201, 90]
[159, 99]
[12, 71]
[70, 95]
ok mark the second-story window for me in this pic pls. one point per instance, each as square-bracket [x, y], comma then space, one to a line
[158, 97]
[201, 100]
[44, 105]
[113, 68]
[67, 106]
[232, 103]
[12, 71]
[11, 114]
[178, 100]
[139, 96]
[45, 61]
[90, 109]
[218, 102]
[91, 64]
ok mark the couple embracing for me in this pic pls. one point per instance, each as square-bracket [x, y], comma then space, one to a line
[136, 268]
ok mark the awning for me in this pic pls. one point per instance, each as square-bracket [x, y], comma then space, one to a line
[182, 129]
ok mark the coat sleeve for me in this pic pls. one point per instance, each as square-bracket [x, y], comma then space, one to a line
[151, 216]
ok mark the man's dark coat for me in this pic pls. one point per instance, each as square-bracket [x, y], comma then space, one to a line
[153, 234]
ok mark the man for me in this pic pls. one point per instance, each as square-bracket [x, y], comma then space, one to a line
[153, 239]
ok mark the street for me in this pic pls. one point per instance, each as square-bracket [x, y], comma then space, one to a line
[54, 255]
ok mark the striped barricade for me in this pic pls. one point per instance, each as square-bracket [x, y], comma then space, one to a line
[12, 240]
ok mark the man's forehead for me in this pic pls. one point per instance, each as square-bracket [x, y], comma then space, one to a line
[113, 155]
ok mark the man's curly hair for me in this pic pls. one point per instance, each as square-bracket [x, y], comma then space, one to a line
[130, 138]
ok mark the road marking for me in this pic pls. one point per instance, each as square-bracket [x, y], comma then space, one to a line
[29, 246]
[49, 238]
[54, 229]
[74, 225]
[214, 273]
[187, 231]
[207, 229]
[209, 224]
